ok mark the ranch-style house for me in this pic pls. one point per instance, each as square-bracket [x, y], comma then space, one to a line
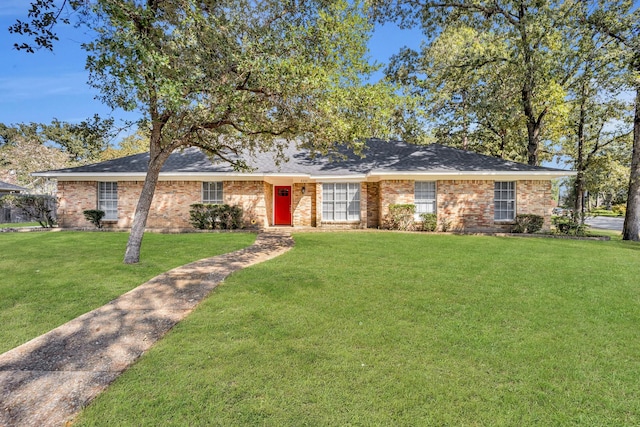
[468, 191]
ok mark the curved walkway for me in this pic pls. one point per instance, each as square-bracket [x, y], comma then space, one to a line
[49, 379]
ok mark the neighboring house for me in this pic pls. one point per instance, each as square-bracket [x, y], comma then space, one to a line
[6, 188]
[469, 191]
[7, 214]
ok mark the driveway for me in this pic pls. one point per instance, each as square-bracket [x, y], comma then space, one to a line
[605, 222]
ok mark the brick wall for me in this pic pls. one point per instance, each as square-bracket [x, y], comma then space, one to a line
[466, 205]
[169, 208]
[392, 192]
[302, 204]
[268, 191]
[318, 203]
[249, 195]
[74, 197]
[535, 197]
[373, 205]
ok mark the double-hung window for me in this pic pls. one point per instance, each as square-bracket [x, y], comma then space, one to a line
[424, 197]
[341, 202]
[212, 192]
[108, 200]
[504, 200]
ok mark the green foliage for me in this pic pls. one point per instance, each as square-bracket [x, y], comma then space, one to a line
[490, 73]
[569, 226]
[400, 217]
[94, 216]
[619, 210]
[38, 208]
[429, 221]
[528, 223]
[83, 142]
[215, 217]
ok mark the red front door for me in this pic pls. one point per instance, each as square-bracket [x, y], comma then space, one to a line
[282, 205]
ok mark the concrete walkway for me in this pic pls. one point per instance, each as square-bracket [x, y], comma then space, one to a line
[48, 380]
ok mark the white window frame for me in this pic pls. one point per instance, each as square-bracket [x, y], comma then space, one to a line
[504, 200]
[108, 200]
[424, 197]
[341, 201]
[212, 192]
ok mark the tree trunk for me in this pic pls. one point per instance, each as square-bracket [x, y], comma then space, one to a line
[157, 158]
[580, 166]
[631, 229]
[534, 125]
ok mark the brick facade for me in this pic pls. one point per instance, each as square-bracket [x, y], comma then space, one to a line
[466, 205]
[535, 197]
[302, 205]
[394, 192]
[250, 196]
[373, 204]
[74, 197]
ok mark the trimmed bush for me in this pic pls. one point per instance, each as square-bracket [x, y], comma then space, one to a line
[94, 216]
[215, 217]
[401, 217]
[528, 223]
[429, 221]
[620, 210]
[569, 226]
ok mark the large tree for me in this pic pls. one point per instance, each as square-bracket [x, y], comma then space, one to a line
[598, 130]
[510, 52]
[23, 152]
[232, 76]
[620, 21]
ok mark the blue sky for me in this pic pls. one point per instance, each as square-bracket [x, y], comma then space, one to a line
[45, 85]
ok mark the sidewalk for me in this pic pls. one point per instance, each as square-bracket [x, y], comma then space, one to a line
[49, 379]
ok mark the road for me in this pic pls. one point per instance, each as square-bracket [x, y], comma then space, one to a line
[605, 222]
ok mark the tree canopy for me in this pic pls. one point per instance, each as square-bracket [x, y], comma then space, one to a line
[230, 76]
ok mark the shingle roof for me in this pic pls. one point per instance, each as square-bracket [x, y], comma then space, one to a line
[5, 186]
[378, 157]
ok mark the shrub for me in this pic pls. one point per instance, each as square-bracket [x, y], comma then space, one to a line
[429, 221]
[569, 226]
[528, 223]
[215, 217]
[94, 216]
[401, 217]
[35, 207]
[620, 210]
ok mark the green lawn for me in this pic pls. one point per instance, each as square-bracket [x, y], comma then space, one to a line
[19, 224]
[393, 329]
[49, 278]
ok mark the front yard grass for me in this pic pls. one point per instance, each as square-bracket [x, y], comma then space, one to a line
[404, 330]
[49, 278]
[19, 224]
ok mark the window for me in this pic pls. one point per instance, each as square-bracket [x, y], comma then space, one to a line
[212, 193]
[108, 200]
[341, 202]
[504, 201]
[424, 197]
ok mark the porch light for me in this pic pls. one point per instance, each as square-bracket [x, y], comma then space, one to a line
[303, 189]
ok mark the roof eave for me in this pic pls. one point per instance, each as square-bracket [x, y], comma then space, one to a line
[517, 175]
